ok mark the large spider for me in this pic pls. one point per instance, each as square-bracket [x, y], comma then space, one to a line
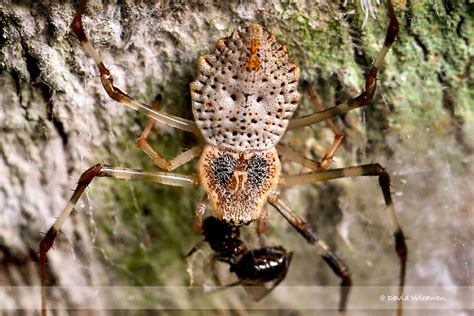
[243, 100]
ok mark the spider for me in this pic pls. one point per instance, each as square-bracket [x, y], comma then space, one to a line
[254, 268]
[243, 100]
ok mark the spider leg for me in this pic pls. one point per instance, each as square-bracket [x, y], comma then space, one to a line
[99, 170]
[290, 154]
[338, 136]
[163, 163]
[117, 94]
[322, 248]
[384, 182]
[370, 84]
[327, 158]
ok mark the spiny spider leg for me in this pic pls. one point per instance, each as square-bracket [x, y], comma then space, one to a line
[118, 95]
[163, 163]
[384, 182]
[370, 84]
[338, 136]
[100, 170]
[322, 248]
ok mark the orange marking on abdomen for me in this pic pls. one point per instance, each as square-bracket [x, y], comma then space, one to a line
[253, 63]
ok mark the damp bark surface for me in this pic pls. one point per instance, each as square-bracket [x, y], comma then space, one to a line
[56, 121]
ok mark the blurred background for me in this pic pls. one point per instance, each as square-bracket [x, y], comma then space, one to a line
[56, 121]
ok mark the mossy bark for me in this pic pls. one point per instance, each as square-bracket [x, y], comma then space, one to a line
[56, 120]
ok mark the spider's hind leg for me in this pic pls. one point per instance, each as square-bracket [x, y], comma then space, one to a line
[336, 264]
[384, 183]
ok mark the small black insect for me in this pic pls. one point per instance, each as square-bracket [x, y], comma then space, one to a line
[258, 270]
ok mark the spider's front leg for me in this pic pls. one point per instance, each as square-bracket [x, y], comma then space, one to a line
[322, 248]
[370, 84]
[160, 161]
[117, 94]
[100, 170]
[384, 182]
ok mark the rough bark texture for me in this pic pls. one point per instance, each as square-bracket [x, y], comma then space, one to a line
[56, 120]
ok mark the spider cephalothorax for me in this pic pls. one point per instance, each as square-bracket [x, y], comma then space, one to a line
[238, 183]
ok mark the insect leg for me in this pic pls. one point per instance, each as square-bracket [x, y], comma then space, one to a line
[163, 163]
[117, 94]
[214, 273]
[199, 214]
[99, 170]
[370, 83]
[212, 265]
[384, 182]
[188, 258]
[322, 248]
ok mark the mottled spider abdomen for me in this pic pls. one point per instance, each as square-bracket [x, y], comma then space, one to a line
[245, 92]
[238, 184]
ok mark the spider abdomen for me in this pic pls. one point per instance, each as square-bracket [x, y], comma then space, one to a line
[245, 92]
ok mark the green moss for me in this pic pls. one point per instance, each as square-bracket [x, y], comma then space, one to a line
[311, 38]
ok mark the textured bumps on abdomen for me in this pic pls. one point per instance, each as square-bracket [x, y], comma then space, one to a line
[245, 91]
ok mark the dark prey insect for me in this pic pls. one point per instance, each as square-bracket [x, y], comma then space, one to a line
[243, 100]
[254, 268]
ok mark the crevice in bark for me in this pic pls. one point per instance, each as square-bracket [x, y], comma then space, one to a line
[449, 104]
[20, 261]
[459, 31]
[355, 33]
[46, 93]
[408, 19]
[448, 6]
[17, 80]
